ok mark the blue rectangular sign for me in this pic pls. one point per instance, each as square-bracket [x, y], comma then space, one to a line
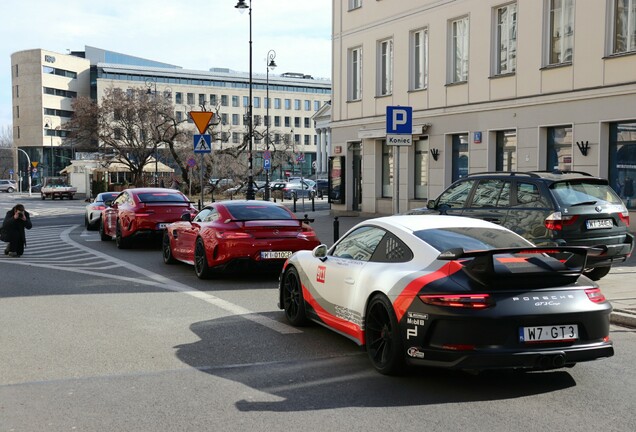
[399, 120]
[202, 144]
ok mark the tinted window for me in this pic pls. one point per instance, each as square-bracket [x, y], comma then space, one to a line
[471, 238]
[392, 249]
[491, 193]
[359, 244]
[257, 211]
[161, 197]
[106, 196]
[457, 194]
[528, 195]
[580, 192]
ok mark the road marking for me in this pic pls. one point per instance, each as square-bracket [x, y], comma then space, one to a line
[156, 280]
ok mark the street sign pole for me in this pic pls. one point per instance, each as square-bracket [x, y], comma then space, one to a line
[399, 132]
[202, 143]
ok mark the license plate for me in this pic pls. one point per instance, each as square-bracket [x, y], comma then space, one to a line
[599, 223]
[562, 332]
[162, 225]
[276, 254]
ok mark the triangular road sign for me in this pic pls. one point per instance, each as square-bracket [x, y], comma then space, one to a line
[201, 119]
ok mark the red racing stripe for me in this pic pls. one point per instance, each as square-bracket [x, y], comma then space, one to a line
[339, 324]
[406, 297]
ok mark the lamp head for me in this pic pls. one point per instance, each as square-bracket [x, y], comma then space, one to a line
[272, 64]
[241, 6]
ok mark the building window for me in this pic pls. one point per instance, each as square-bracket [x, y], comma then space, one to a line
[421, 168]
[179, 116]
[190, 99]
[178, 98]
[297, 104]
[506, 39]
[307, 139]
[287, 104]
[257, 102]
[622, 161]
[355, 4]
[561, 31]
[287, 121]
[459, 54]
[223, 100]
[212, 100]
[419, 59]
[624, 38]
[307, 105]
[307, 122]
[387, 170]
[235, 101]
[236, 138]
[460, 156]
[385, 67]
[316, 105]
[277, 103]
[355, 74]
[224, 118]
[506, 153]
[201, 99]
[235, 119]
[296, 122]
[276, 121]
[267, 102]
[559, 148]
[246, 101]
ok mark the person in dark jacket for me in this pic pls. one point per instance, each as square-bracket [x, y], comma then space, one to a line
[14, 224]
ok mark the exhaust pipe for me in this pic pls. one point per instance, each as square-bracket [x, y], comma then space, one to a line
[558, 360]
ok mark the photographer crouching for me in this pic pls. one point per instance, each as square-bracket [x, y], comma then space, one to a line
[13, 226]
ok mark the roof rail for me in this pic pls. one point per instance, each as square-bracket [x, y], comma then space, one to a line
[512, 173]
[558, 171]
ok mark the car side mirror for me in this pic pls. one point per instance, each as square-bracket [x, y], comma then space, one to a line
[431, 205]
[320, 252]
[186, 217]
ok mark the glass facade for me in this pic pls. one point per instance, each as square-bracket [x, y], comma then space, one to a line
[622, 161]
[559, 148]
[460, 156]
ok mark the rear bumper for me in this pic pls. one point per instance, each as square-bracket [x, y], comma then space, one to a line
[539, 359]
[614, 253]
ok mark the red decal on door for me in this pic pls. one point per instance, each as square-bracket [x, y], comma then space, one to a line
[320, 275]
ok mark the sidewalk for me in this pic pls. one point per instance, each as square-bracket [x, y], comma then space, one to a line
[618, 286]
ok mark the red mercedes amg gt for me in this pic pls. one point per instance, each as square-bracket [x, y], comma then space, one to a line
[142, 212]
[237, 234]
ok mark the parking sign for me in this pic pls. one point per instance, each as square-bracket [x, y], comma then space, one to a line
[399, 120]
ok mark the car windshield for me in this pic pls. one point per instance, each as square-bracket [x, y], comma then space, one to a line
[161, 197]
[584, 192]
[258, 211]
[471, 239]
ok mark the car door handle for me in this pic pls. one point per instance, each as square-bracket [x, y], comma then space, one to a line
[349, 281]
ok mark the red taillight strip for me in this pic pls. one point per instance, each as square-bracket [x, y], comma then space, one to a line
[339, 324]
[472, 301]
[405, 298]
[595, 295]
[624, 217]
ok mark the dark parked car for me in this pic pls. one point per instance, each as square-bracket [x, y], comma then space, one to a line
[548, 208]
[322, 188]
[297, 191]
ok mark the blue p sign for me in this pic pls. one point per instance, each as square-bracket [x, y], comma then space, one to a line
[399, 120]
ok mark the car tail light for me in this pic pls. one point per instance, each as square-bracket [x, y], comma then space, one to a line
[595, 295]
[556, 221]
[624, 216]
[103, 207]
[472, 301]
[307, 234]
[232, 235]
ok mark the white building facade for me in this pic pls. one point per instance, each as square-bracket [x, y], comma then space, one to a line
[494, 86]
[45, 84]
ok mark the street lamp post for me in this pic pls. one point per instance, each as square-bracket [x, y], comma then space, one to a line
[250, 194]
[271, 64]
[149, 83]
[48, 126]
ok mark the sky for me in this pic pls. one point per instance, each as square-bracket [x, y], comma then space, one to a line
[193, 34]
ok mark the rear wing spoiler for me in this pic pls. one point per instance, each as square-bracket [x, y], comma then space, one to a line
[244, 221]
[531, 266]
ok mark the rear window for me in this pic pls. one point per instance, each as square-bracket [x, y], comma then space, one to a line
[471, 239]
[257, 211]
[162, 197]
[584, 192]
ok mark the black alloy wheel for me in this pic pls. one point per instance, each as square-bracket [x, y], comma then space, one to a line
[166, 249]
[122, 243]
[383, 340]
[201, 267]
[86, 224]
[293, 300]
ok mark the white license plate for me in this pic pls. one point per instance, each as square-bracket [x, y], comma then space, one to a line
[562, 332]
[599, 223]
[162, 225]
[276, 254]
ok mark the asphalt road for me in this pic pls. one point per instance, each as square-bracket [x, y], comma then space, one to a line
[93, 338]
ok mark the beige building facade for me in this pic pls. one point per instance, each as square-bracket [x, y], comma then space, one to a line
[494, 86]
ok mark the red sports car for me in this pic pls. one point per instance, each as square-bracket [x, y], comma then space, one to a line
[235, 235]
[142, 212]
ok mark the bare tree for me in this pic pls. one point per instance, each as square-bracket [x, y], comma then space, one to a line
[7, 151]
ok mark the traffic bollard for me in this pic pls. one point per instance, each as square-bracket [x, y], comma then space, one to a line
[294, 197]
[313, 205]
[336, 229]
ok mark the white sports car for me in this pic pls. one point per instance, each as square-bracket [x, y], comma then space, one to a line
[451, 292]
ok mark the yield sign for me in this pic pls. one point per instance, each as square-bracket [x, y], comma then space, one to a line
[201, 119]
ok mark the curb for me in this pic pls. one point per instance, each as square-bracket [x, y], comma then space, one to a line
[623, 318]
